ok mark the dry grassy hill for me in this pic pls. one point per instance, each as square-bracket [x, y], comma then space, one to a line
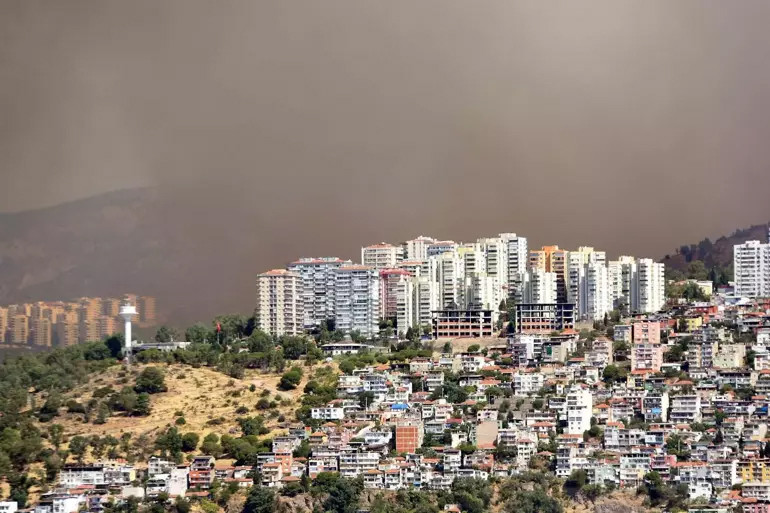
[207, 399]
[461, 345]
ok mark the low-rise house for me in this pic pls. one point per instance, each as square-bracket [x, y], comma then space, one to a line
[355, 463]
[322, 461]
[655, 407]
[527, 383]
[374, 479]
[272, 475]
[156, 465]
[327, 413]
[685, 409]
[73, 476]
[59, 503]
[343, 348]
[756, 490]
[633, 467]
[699, 490]
[757, 470]
[473, 362]
[736, 378]
[202, 472]
[452, 461]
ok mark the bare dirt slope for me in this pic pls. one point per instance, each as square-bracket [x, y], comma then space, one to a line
[460, 345]
[202, 395]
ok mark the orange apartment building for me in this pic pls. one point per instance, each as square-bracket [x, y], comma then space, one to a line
[41, 332]
[552, 259]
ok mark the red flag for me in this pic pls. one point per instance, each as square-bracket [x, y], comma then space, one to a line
[219, 327]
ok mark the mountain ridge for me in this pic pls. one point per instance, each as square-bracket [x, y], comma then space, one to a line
[122, 241]
[139, 240]
[714, 255]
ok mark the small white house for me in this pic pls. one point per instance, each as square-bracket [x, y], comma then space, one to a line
[8, 507]
[327, 413]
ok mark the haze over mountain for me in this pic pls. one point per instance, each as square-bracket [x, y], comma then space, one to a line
[316, 127]
[109, 244]
[128, 241]
[135, 241]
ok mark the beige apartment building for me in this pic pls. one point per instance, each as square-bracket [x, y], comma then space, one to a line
[145, 306]
[3, 324]
[279, 302]
[18, 329]
[67, 329]
[111, 307]
[42, 332]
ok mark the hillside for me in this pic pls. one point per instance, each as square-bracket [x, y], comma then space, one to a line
[129, 241]
[80, 404]
[207, 399]
[718, 253]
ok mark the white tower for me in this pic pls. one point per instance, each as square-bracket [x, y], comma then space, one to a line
[128, 311]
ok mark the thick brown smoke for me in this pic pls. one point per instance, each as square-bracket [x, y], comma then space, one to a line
[632, 126]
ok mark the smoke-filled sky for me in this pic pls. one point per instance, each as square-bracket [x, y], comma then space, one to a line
[633, 126]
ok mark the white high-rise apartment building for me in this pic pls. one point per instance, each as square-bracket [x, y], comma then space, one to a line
[637, 285]
[619, 275]
[389, 282]
[426, 299]
[441, 246]
[576, 274]
[483, 292]
[448, 270]
[417, 298]
[579, 408]
[474, 260]
[496, 256]
[595, 294]
[538, 286]
[588, 283]
[279, 302]
[317, 287]
[593, 255]
[381, 256]
[648, 286]
[357, 299]
[414, 267]
[416, 250]
[405, 305]
[751, 264]
[518, 256]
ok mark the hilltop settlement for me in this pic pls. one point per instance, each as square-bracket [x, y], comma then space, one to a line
[430, 376]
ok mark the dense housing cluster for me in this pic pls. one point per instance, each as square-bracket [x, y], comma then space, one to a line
[668, 397]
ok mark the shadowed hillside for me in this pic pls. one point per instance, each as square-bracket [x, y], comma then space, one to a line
[185, 253]
[717, 254]
[127, 241]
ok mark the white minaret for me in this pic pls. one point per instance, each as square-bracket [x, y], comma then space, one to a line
[128, 311]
